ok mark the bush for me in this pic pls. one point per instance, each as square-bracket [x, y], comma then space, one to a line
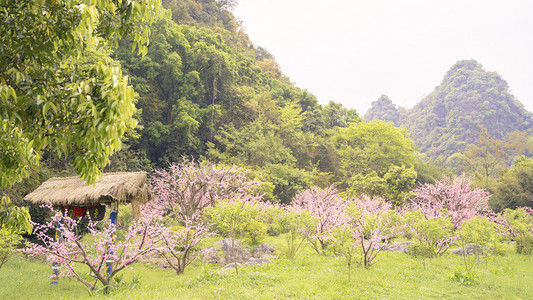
[8, 242]
[271, 216]
[436, 234]
[254, 231]
[296, 226]
[236, 219]
[519, 224]
[482, 233]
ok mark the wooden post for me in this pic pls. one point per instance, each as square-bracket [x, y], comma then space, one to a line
[113, 221]
[54, 279]
[136, 209]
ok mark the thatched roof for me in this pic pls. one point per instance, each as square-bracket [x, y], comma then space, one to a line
[114, 187]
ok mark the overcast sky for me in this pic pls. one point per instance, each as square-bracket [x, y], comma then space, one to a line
[352, 51]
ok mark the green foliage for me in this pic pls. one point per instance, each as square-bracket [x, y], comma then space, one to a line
[376, 158]
[373, 146]
[124, 216]
[400, 181]
[520, 223]
[369, 184]
[515, 188]
[292, 225]
[272, 216]
[41, 64]
[485, 159]
[434, 234]
[346, 246]
[481, 235]
[334, 115]
[255, 231]
[205, 13]
[58, 90]
[465, 278]
[203, 95]
[120, 285]
[9, 241]
[289, 224]
[236, 219]
[397, 184]
[256, 144]
[421, 250]
[426, 169]
[14, 218]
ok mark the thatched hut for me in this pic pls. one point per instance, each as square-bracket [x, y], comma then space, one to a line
[114, 188]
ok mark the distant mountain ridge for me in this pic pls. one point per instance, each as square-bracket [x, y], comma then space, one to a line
[448, 119]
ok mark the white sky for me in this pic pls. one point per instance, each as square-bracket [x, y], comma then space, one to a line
[352, 51]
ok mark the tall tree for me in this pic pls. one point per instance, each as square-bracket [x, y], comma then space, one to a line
[486, 158]
[53, 94]
[366, 148]
[515, 188]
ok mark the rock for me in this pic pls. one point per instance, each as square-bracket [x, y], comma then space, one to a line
[232, 266]
[400, 247]
[241, 255]
[469, 248]
[224, 255]
[456, 251]
[211, 255]
[233, 248]
[226, 244]
[257, 261]
[263, 249]
[472, 248]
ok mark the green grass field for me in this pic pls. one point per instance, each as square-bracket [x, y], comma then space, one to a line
[309, 276]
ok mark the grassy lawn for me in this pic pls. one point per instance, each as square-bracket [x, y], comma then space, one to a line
[309, 276]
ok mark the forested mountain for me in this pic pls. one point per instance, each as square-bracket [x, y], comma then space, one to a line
[449, 118]
[383, 109]
[205, 91]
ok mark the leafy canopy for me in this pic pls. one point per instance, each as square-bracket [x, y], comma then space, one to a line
[56, 92]
[53, 94]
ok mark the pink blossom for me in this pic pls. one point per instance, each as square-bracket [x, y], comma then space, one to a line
[187, 188]
[143, 236]
[373, 224]
[328, 207]
[458, 199]
[179, 246]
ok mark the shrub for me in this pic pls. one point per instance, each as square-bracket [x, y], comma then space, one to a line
[481, 234]
[373, 224]
[455, 198]
[8, 242]
[234, 219]
[143, 236]
[519, 224]
[296, 226]
[436, 234]
[328, 208]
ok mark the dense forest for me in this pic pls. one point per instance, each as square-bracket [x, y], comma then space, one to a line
[205, 91]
